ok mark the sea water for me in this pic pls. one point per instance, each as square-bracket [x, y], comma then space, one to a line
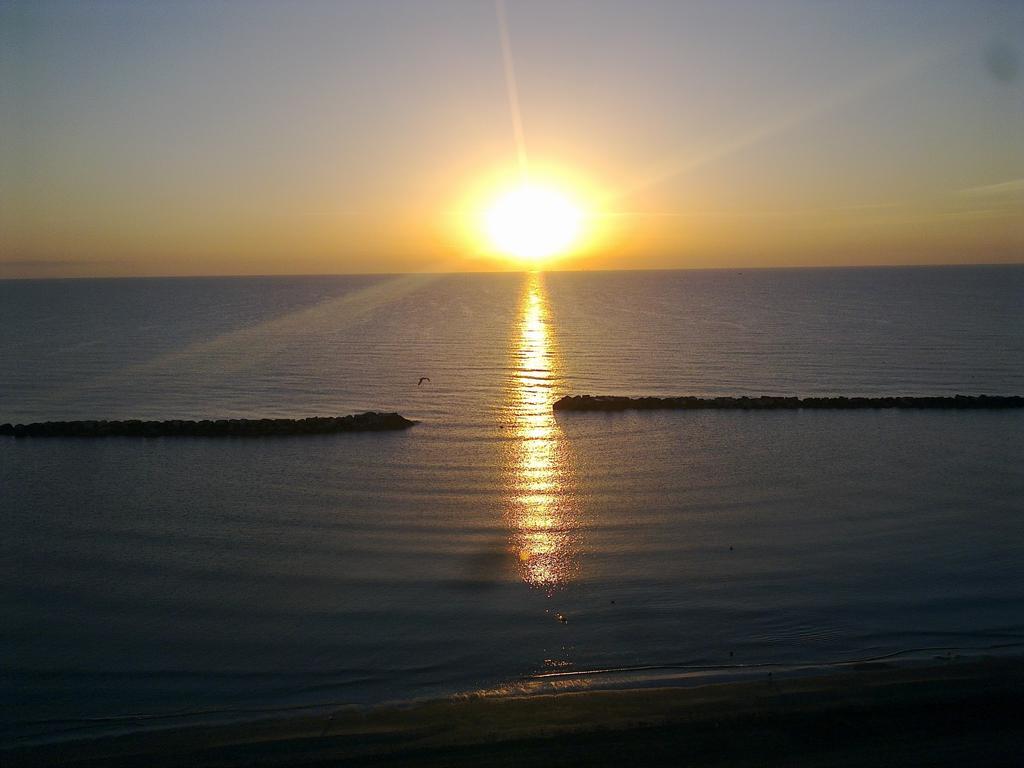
[495, 545]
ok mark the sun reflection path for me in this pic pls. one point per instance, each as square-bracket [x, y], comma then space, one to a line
[540, 504]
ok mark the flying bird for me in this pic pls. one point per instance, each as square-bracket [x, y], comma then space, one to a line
[422, 379]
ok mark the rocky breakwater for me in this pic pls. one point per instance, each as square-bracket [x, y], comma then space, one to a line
[316, 425]
[767, 403]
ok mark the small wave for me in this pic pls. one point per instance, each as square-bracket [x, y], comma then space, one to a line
[828, 664]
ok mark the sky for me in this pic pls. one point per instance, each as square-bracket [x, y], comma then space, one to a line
[219, 138]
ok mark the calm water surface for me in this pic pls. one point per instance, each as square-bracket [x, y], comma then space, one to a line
[495, 543]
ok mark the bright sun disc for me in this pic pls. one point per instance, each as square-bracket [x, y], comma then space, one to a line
[532, 223]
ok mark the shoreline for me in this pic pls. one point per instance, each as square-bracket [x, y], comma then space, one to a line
[945, 712]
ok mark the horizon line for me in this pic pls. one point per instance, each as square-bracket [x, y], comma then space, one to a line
[760, 268]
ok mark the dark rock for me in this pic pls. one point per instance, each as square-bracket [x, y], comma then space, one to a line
[765, 402]
[316, 425]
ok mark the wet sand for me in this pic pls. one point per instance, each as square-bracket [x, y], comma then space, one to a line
[951, 712]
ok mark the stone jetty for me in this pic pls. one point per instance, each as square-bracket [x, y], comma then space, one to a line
[768, 403]
[316, 425]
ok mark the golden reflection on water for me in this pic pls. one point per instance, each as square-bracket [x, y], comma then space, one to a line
[540, 508]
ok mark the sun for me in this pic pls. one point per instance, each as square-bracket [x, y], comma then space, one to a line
[533, 222]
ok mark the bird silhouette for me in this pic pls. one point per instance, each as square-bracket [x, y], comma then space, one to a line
[422, 379]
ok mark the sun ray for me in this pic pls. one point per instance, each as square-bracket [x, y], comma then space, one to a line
[512, 88]
[901, 69]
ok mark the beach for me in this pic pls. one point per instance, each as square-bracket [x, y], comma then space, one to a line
[949, 712]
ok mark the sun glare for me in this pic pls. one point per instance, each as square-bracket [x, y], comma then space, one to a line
[533, 223]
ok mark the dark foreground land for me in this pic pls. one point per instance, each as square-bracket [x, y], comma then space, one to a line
[957, 713]
[316, 425]
[768, 403]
